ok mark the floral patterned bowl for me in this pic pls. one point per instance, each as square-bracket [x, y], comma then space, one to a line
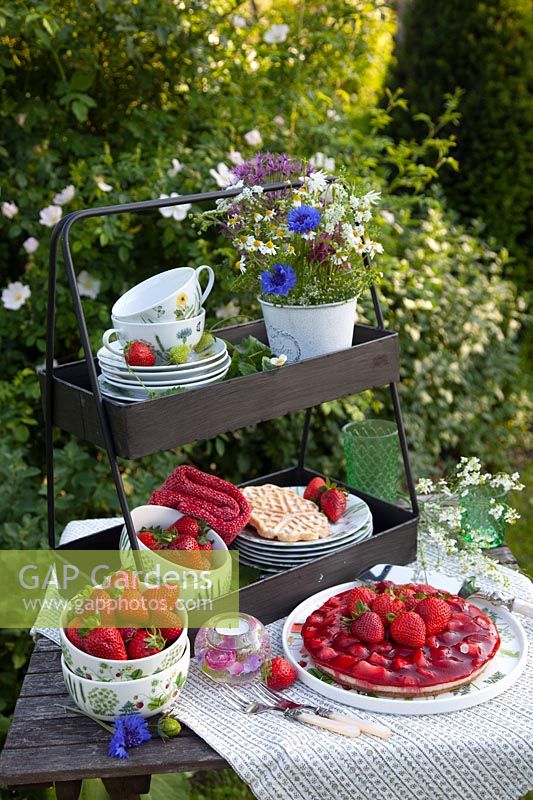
[108, 670]
[145, 696]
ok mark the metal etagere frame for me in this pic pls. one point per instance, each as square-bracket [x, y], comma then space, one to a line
[60, 235]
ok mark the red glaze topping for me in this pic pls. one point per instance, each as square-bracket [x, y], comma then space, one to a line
[468, 641]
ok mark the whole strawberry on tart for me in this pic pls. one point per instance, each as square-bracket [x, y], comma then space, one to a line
[396, 640]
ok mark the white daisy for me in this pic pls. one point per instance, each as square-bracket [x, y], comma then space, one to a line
[15, 295]
[9, 210]
[50, 216]
[178, 213]
[30, 245]
[88, 285]
[316, 181]
[65, 195]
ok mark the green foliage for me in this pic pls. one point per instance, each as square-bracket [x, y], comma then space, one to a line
[484, 48]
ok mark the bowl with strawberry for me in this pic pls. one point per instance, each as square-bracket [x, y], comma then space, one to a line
[146, 696]
[183, 546]
[125, 631]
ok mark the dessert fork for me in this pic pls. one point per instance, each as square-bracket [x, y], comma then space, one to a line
[299, 714]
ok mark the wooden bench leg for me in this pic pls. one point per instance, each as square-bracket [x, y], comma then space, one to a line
[127, 788]
[67, 790]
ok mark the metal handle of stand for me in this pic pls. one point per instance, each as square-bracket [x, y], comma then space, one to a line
[61, 231]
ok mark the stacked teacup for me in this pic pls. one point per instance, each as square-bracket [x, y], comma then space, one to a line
[166, 314]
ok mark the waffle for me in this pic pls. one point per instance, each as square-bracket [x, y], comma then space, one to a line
[279, 513]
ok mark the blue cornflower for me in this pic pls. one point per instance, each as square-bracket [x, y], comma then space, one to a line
[280, 280]
[131, 730]
[303, 219]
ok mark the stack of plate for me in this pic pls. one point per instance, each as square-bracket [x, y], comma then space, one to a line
[133, 384]
[269, 555]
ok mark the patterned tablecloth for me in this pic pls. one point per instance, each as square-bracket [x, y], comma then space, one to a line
[481, 753]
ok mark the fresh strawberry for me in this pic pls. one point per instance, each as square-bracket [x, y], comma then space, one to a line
[364, 594]
[139, 354]
[407, 596]
[368, 627]
[189, 555]
[169, 624]
[189, 526]
[145, 643]
[123, 579]
[128, 633]
[132, 608]
[278, 674]
[105, 643]
[385, 604]
[314, 489]
[436, 614]
[148, 539]
[409, 629]
[204, 542]
[72, 632]
[333, 503]
[101, 603]
[161, 598]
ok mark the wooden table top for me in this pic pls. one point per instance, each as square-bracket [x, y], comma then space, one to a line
[47, 744]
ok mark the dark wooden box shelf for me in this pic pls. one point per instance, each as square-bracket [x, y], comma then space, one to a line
[393, 541]
[143, 428]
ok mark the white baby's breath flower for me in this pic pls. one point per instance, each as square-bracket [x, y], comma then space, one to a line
[15, 295]
[176, 167]
[102, 185]
[65, 195]
[235, 157]
[238, 21]
[9, 210]
[50, 216]
[222, 175]
[425, 486]
[496, 509]
[511, 516]
[88, 285]
[231, 309]
[253, 138]
[278, 361]
[178, 213]
[30, 244]
[276, 34]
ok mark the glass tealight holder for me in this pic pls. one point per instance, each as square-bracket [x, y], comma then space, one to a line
[232, 648]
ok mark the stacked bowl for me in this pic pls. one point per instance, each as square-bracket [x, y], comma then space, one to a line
[105, 688]
[165, 313]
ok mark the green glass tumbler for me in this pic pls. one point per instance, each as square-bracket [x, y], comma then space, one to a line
[371, 449]
[477, 523]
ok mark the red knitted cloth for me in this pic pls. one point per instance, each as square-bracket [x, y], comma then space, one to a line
[206, 497]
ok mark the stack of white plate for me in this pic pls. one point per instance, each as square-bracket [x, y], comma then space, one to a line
[133, 384]
[269, 555]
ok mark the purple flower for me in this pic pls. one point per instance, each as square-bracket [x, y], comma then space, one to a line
[322, 249]
[280, 280]
[131, 730]
[303, 219]
[268, 168]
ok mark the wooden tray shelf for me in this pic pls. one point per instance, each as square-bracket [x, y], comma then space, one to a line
[141, 429]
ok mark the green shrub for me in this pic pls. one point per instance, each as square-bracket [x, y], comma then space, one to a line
[484, 48]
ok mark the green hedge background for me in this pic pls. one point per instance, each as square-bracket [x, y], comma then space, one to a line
[106, 94]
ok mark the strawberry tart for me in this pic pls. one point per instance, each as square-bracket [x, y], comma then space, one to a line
[400, 641]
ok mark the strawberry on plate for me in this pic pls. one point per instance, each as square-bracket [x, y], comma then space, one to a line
[364, 594]
[145, 643]
[105, 643]
[333, 503]
[408, 629]
[278, 674]
[314, 489]
[369, 627]
[139, 354]
[385, 604]
[436, 614]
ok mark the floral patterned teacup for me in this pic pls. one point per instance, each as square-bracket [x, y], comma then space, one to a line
[161, 335]
[169, 296]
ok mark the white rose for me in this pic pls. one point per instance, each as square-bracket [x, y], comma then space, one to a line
[30, 245]
[65, 195]
[15, 295]
[9, 210]
[50, 216]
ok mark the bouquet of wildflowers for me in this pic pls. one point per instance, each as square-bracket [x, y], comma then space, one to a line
[299, 246]
[442, 515]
